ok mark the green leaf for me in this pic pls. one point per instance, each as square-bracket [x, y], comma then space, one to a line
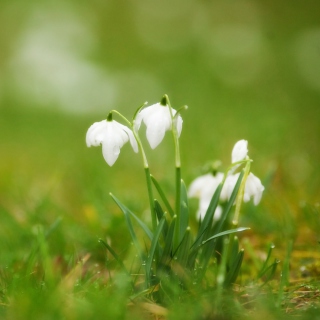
[234, 269]
[207, 221]
[184, 209]
[162, 195]
[230, 203]
[154, 244]
[114, 255]
[270, 271]
[160, 214]
[262, 271]
[215, 232]
[126, 210]
[184, 248]
[126, 213]
[233, 250]
[168, 245]
[224, 233]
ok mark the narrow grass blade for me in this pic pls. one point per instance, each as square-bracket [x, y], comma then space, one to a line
[285, 273]
[31, 257]
[129, 225]
[183, 251]
[154, 244]
[230, 203]
[264, 267]
[207, 221]
[160, 214]
[126, 211]
[120, 262]
[233, 250]
[270, 271]
[162, 195]
[168, 245]
[234, 269]
[142, 225]
[215, 232]
[224, 233]
[184, 209]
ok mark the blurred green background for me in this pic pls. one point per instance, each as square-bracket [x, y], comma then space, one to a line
[246, 69]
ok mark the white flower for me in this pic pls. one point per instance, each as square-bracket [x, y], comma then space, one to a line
[112, 135]
[203, 188]
[253, 188]
[158, 120]
[239, 151]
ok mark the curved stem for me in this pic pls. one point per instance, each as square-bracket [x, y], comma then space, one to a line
[122, 116]
[240, 195]
[146, 167]
[178, 173]
[148, 178]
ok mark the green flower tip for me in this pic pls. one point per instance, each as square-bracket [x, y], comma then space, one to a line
[164, 100]
[109, 117]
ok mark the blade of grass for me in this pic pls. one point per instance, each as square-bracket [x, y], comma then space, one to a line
[224, 233]
[184, 211]
[183, 251]
[162, 195]
[208, 251]
[114, 254]
[126, 211]
[154, 244]
[160, 214]
[129, 225]
[272, 270]
[168, 245]
[264, 267]
[234, 269]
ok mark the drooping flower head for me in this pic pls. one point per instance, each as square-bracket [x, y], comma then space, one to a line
[112, 135]
[253, 188]
[239, 151]
[158, 119]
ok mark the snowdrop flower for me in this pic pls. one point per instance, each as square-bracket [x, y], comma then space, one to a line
[158, 120]
[253, 188]
[112, 135]
[239, 151]
[203, 188]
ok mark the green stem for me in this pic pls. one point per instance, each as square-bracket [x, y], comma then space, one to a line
[178, 172]
[151, 199]
[240, 195]
[122, 116]
[178, 208]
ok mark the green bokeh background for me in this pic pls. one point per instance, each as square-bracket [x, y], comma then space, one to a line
[246, 69]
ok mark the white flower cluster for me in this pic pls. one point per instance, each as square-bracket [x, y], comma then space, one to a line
[112, 135]
[205, 186]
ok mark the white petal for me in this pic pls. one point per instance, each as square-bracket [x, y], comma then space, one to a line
[132, 139]
[179, 122]
[112, 135]
[254, 188]
[203, 188]
[239, 151]
[140, 116]
[157, 119]
[155, 134]
[94, 134]
[110, 152]
[199, 184]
